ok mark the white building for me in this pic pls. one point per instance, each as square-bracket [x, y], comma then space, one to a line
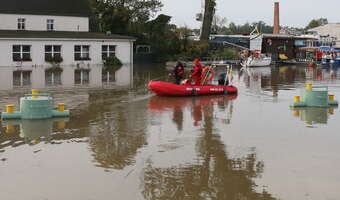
[328, 33]
[32, 32]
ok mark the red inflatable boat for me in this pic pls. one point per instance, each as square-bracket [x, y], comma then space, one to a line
[162, 88]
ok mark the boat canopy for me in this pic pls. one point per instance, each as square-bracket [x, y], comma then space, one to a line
[326, 48]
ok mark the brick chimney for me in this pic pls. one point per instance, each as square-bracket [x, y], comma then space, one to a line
[276, 18]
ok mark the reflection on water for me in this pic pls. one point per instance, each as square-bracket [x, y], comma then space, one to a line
[133, 145]
[313, 115]
[67, 76]
[18, 132]
[197, 106]
[117, 133]
[214, 175]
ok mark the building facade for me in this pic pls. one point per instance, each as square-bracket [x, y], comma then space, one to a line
[38, 35]
[327, 34]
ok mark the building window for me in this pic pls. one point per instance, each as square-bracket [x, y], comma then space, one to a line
[82, 52]
[52, 51]
[108, 51]
[50, 24]
[21, 23]
[22, 78]
[108, 77]
[82, 76]
[21, 53]
[52, 77]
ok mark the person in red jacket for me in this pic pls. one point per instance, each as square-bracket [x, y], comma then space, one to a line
[197, 72]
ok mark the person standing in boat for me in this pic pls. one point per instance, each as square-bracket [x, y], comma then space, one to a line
[197, 72]
[178, 72]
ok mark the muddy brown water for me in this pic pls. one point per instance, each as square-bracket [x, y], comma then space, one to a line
[126, 143]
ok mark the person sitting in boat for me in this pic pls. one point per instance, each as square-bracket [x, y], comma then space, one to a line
[197, 72]
[222, 79]
[178, 72]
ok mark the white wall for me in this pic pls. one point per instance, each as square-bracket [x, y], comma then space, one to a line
[6, 78]
[39, 22]
[123, 51]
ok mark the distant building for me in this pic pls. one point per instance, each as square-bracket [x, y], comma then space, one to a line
[273, 45]
[291, 31]
[34, 32]
[327, 33]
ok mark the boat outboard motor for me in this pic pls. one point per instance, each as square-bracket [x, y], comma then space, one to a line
[222, 79]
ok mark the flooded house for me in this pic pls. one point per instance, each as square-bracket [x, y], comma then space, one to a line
[283, 47]
[44, 43]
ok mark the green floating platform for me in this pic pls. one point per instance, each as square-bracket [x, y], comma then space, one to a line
[316, 96]
[37, 106]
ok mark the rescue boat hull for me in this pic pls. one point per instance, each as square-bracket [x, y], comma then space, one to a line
[162, 88]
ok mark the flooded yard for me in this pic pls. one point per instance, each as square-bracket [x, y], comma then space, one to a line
[126, 143]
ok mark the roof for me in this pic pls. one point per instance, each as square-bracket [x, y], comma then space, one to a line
[230, 36]
[331, 29]
[278, 36]
[59, 35]
[326, 26]
[46, 7]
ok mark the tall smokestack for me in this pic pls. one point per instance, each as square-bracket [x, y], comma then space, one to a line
[276, 18]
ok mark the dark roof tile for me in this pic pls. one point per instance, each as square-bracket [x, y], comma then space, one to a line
[47, 7]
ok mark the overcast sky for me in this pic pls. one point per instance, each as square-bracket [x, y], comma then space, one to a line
[296, 13]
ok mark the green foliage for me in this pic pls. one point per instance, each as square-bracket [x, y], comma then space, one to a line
[162, 37]
[121, 16]
[316, 23]
[56, 60]
[227, 53]
[112, 63]
[194, 49]
[245, 29]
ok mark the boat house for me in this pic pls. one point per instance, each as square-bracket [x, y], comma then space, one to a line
[37, 34]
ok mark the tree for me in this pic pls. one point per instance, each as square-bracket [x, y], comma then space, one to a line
[263, 27]
[316, 22]
[219, 24]
[122, 16]
[162, 36]
[209, 11]
[183, 34]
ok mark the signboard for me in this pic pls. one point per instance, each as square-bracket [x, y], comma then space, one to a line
[256, 42]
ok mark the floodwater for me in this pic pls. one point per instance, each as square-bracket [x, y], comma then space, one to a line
[126, 143]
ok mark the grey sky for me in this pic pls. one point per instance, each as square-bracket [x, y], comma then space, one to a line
[295, 13]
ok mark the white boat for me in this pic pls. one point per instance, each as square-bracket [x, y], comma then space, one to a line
[258, 61]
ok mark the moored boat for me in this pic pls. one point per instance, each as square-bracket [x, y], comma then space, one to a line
[260, 61]
[162, 88]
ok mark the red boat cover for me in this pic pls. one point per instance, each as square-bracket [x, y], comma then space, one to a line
[162, 88]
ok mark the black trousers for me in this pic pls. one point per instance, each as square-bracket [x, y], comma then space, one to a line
[178, 79]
